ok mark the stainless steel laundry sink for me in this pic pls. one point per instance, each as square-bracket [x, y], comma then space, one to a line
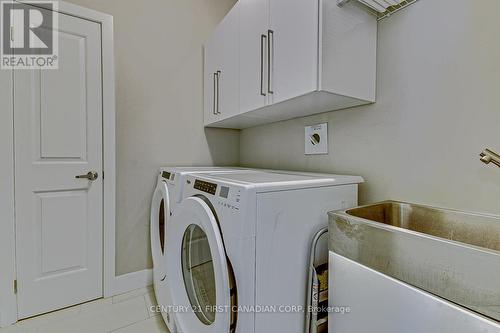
[454, 255]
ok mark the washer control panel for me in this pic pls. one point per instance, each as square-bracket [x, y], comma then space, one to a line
[229, 197]
[204, 186]
[221, 194]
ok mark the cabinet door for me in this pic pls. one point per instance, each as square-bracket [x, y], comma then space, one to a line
[227, 72]
[210, 85]
[293, 49]
[254, 23]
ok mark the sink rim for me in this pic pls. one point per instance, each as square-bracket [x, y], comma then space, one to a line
[344, 213]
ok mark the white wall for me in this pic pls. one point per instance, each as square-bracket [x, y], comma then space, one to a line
[438, 106]
[159, 90]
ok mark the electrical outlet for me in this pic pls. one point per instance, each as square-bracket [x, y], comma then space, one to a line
[316, 139]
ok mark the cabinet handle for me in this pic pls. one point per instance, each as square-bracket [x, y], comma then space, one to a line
[215, 95]
[270, 60]
[262, 59]
[218, 91]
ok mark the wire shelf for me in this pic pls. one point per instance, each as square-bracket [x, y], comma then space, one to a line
[380, 16]
[394, 9]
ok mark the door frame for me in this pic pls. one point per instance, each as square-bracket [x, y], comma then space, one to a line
[8, 298]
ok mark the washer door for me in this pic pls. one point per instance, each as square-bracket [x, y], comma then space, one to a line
[160, 212]
[160, 216]
[198, 270]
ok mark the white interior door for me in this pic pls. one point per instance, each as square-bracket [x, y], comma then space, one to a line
[58, 135]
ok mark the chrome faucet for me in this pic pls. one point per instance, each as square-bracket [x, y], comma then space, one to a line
[488, 156]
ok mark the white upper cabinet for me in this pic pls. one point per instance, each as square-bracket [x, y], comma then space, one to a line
[210, 81]
[293, 48]
[296, 58]
[254, 18]
[221, 70]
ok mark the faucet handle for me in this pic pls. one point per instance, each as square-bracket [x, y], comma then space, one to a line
[489, 156]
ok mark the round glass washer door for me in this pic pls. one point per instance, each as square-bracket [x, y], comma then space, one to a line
[198, 272]
[160, 211]
[160, 217]
[198, 269]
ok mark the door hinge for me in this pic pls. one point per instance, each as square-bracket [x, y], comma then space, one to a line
[12, 33]
[103, 175]
[15, 286]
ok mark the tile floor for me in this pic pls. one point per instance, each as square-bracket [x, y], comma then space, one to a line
[127, 313]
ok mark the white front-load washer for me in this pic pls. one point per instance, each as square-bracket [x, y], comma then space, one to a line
[167, 195]
[238, 248]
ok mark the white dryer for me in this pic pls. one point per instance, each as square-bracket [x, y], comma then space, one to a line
[238, 248]
[167, 195]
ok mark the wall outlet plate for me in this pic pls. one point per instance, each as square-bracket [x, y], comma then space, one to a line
[316, 139]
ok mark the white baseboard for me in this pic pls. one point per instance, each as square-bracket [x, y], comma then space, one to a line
[122, 284]
[7, 319]
[131, 281]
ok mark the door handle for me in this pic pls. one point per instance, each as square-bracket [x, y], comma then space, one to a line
[270, 60]
[218, 91]
[91, 175]
[262, 59]
[215, 96]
